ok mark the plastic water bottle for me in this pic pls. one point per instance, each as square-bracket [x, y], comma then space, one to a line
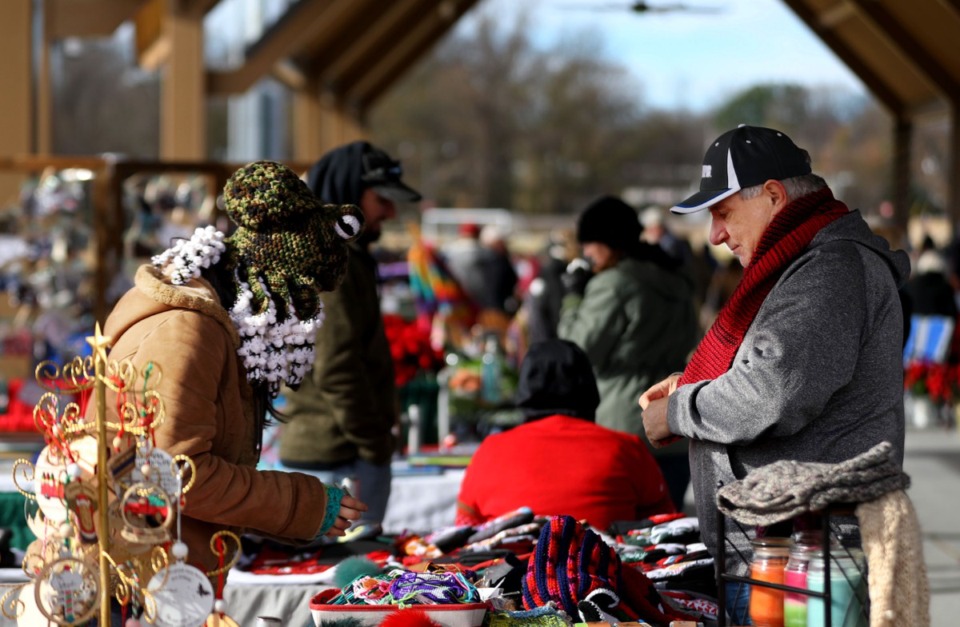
[491, 370]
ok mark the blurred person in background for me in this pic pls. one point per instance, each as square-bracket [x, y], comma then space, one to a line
[929, 288]
[462, 256]
[498, 271]
[341, 420]
[655, 231]
[633, 314]
[480, 262]
[544, 297]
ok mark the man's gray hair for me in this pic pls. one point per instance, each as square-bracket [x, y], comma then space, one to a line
[797, 187]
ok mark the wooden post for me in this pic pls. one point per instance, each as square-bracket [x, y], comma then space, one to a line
[17, 121]
[902, 135]
[183, 128]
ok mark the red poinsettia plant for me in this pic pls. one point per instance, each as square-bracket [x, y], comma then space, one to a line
[410, 348]
[938, 381]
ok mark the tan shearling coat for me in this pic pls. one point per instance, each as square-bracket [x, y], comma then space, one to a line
[209, 415]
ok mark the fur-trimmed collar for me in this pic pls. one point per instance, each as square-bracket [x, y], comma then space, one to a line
[197, 295]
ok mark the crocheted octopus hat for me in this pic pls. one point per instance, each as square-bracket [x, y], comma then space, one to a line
[287, 248]
[291, 244]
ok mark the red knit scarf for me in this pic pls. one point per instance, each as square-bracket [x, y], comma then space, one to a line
[781, 243]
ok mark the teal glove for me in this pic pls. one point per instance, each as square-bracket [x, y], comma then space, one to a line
[334, 497]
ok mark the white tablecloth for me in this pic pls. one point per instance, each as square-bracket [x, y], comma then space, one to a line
[422, 503]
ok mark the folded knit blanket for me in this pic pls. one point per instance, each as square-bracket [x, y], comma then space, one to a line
[786, 488]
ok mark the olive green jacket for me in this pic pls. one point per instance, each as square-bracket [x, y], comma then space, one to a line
[347, 406]
[637, 324]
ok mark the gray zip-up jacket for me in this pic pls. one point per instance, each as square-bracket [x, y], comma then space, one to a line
[818, 377]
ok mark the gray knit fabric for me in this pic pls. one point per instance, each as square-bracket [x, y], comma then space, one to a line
[786, 488]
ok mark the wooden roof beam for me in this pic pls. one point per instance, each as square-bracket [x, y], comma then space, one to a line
[951, 5]
[87, 18]
[379, 77]
[197, 8]
[338, 35]
[837, 15]
[910, 47]
[865, 73]
[285, 38]
[390, 27]
[151, 46]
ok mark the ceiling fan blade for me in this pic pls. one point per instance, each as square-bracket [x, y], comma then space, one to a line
[623, 6]
[645, 7]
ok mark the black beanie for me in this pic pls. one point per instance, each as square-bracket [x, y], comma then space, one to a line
[608, 220]
[556, 378]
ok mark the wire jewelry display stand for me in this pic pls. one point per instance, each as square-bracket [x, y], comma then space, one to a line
[105, 503]
[827, 534]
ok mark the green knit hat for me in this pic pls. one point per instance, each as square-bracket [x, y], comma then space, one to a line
[286, 237]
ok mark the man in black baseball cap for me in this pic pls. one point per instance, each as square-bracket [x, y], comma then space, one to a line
[339, 424]
[804, 361]
[742, 158]
[737, 168]
[361, 174]
[383, 174]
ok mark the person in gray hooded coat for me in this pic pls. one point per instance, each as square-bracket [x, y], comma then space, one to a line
[804, 361]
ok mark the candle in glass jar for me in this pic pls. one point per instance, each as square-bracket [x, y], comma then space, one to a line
[846, 592]
[803, 544]
[769, 559]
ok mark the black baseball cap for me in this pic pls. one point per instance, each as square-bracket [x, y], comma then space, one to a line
[383, 174]
[741, 158]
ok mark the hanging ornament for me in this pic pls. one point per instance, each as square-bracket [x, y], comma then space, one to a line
[67, 591]
[183, 596]
[147, 513]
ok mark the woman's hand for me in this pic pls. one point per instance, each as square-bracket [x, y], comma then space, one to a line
[350, 510]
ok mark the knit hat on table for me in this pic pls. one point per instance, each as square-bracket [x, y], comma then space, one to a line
[572, 565]
[287, 241]
[608, 220]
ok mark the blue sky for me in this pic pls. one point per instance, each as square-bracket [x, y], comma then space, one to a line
[686, 59]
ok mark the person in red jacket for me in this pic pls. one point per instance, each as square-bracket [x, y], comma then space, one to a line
[559, 462]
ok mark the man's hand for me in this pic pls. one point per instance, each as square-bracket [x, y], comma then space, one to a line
[659, 390]
[654, 405]
[655, 423]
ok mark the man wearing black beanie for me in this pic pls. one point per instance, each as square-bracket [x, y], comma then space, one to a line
[635, 319]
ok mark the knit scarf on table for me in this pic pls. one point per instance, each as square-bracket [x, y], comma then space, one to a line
[788, 234]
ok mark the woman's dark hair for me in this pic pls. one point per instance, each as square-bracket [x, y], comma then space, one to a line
[224, 284]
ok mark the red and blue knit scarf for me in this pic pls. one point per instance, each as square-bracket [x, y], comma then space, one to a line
[787, 236]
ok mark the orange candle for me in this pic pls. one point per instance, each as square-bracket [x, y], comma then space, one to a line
[769, 559]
